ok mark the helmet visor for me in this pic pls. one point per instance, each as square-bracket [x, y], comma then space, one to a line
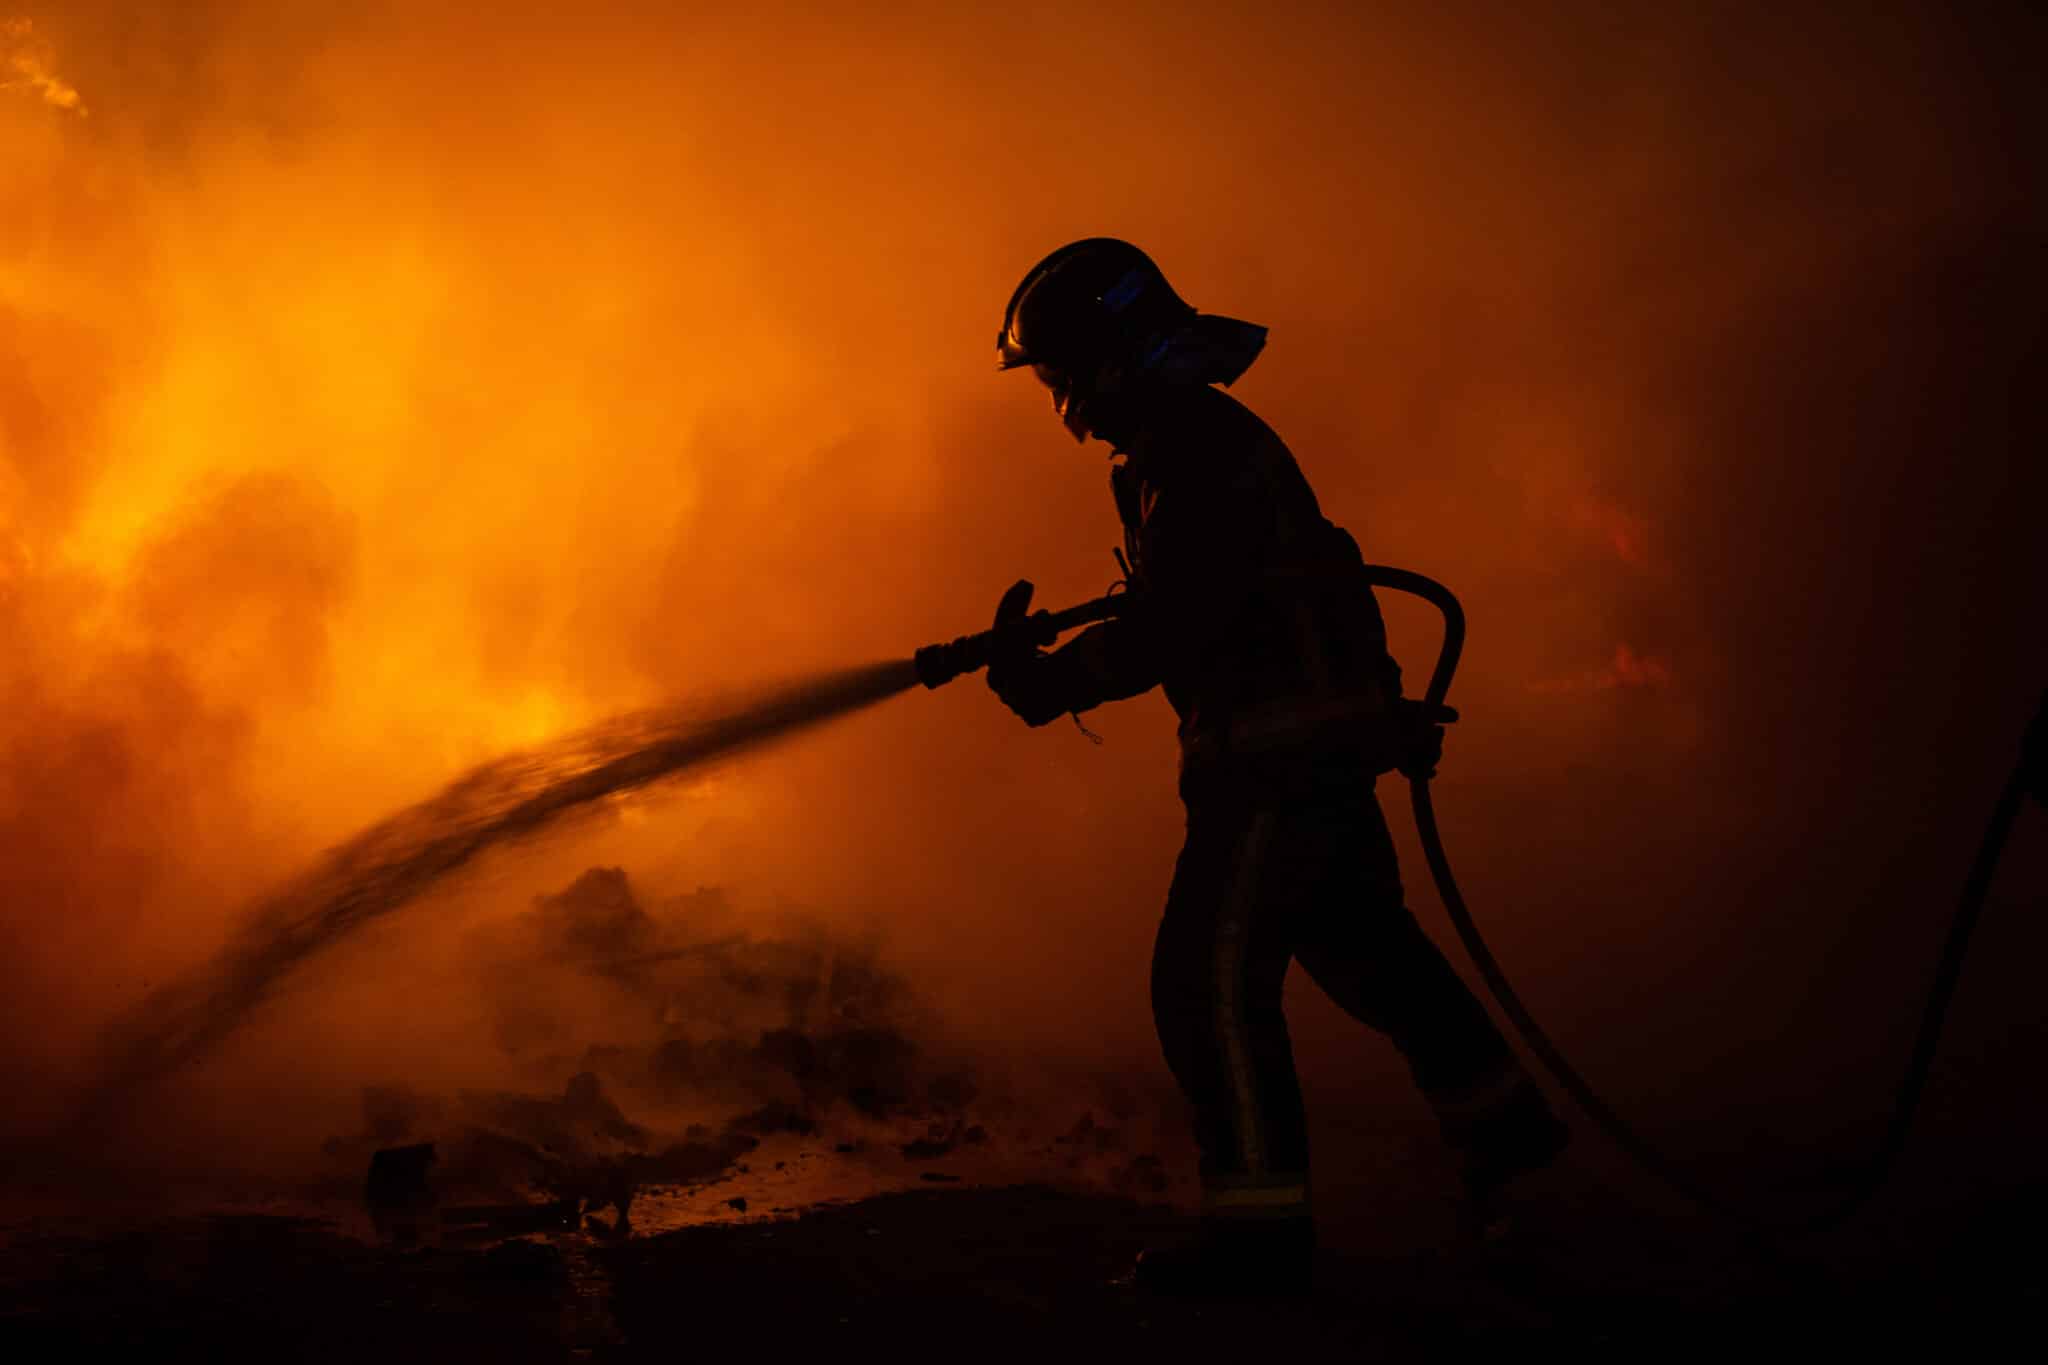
[1010, 353]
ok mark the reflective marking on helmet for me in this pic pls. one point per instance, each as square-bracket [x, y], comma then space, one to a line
[1120, 295]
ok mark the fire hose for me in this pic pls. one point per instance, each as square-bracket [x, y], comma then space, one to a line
[939, 664]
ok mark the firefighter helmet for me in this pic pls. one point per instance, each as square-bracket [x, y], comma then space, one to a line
[1098, 317]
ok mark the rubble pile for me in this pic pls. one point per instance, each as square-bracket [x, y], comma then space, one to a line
[705, 1003]
[725, 1031]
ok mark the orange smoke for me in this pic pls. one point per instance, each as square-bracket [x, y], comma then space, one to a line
[383, 387]
[25, 63]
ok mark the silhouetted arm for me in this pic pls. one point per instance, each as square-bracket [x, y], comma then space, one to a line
[1107, 662]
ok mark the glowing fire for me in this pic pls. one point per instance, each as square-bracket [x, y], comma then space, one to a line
[382, 388]
[25, 61]
[1625, 533]
[1627, 669]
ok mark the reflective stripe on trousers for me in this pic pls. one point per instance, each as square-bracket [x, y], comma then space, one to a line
[1256, 886]
[1272, 1196]
[1233, 1035]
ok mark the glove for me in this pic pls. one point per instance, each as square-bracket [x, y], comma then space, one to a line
[1024, 679]
[1031, 687]
[1419, 736]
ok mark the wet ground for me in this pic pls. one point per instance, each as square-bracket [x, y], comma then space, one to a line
[950, 1268]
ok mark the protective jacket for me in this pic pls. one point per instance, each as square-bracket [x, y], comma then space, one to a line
[1249, 608]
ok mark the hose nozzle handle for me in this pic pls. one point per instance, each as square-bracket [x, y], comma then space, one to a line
[939, 664]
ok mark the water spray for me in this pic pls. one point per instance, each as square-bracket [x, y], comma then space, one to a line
[394, 862]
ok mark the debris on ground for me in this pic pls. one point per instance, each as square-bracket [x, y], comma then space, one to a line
[1089, 1134]
[526, 1260]
[753, 1029]
[583, 1116]
[399, 1195]
[1024, 1267]
[508, 1220]
[1142, 1174]
[775, 1117]
[941, 1140]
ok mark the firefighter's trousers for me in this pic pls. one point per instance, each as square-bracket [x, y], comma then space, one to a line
[1258, 884]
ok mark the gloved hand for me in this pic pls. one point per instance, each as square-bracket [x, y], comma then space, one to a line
[1031, 687]
[1022, 675]
[1419, 736]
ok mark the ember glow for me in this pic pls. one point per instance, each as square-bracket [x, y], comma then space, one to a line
[383, 388]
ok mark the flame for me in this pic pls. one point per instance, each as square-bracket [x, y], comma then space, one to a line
[1627, 669]
[26, 58]
[384, 388]
[1622, 531]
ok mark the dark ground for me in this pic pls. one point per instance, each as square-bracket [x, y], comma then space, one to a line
[972, 1273]
[824, 1226]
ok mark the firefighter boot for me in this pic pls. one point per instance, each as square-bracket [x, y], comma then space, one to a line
[1226, 1257]
[1521, 1137]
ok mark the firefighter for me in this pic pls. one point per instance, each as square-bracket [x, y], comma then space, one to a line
[1249, 610]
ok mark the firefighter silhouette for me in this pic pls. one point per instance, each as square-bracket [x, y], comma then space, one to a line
[1249, 610]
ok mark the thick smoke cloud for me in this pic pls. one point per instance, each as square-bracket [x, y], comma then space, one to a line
[384, 388]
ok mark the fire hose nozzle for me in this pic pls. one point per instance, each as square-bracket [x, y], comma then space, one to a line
[939, 664]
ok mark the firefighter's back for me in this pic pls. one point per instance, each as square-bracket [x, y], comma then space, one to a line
[1273, 650]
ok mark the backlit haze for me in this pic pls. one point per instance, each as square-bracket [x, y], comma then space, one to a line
[385, 387]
